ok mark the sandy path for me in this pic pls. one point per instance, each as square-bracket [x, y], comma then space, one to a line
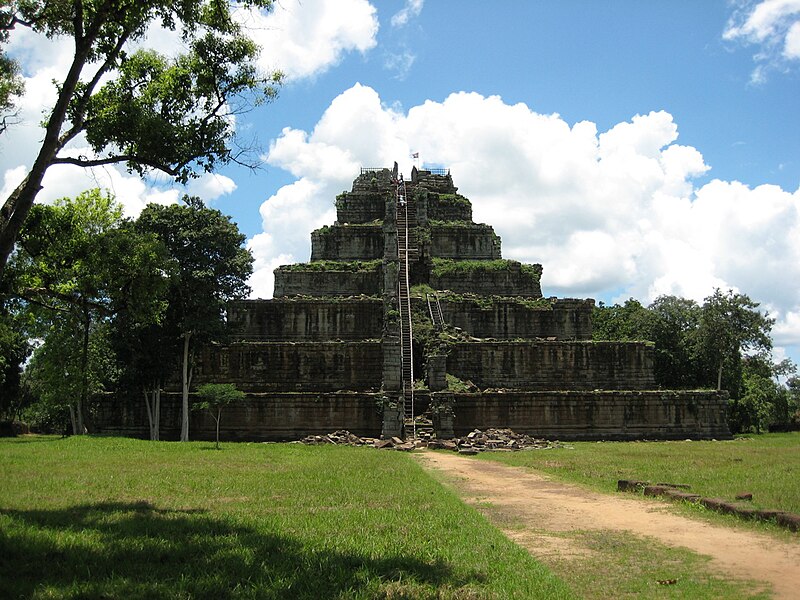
[533, 499]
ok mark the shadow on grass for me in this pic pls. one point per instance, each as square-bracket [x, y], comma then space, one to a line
[135, 550]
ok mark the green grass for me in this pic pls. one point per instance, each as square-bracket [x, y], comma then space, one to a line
[335, 265]
[87, 517]
[768, 466]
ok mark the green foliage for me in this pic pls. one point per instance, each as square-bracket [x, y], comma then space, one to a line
[66, 271]
[216, 396]
[210, 266]
[442, 267]
[128, 100]
[254, 521]
[350, 266]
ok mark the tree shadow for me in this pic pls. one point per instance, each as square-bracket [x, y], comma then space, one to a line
[136, 550]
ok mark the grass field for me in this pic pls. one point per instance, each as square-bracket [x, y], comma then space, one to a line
[90, 517]
[768, 466]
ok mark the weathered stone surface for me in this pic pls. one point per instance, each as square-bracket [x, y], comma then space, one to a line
[512, 318]
[295, 366]
[513, 280]
[464, 241]
[543, 365]
[306, 319]
[272, 416]
[294, 281]
[596, 415]
[347, 242]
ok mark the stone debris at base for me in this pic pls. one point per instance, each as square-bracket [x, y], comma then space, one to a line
[474, 442]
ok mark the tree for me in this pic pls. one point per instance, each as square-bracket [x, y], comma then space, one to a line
[128, 102]
[211, 268]
[629, 322]
[214, 397]
[64, 268]
[143, 342]
[674, 323]
[729, 325]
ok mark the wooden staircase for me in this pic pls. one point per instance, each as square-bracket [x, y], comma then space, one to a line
[407, 252]
[435, 310]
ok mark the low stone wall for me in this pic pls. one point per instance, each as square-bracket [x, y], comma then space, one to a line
[347, 242]
[541, 365]
[473, 241]
[306, 320]
[293, 366]
[293, 281]
[259, 417]
[597, 415]
[511, 281]
[508, 319]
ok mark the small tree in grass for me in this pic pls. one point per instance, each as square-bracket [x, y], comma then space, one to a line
[214, 397]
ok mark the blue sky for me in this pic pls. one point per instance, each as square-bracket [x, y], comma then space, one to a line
[633, 148]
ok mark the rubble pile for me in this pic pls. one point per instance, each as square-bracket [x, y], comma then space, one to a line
[474, 442]
[499, 439]
[341, 437]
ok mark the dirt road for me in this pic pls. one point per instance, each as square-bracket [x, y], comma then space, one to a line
[543, 504]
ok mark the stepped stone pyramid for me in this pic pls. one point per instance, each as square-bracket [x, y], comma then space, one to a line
[406, 310]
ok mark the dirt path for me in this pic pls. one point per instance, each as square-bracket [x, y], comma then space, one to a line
[539, 503]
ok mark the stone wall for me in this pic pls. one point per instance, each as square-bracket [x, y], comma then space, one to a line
[292, 280]
[508, 318]
[293, 366]
[274, 416]
[347, 242]
[540, 365]
[448, 207]
[512, 280]
[597, 415]
[306, 319]
[464, 241]
[360, 207]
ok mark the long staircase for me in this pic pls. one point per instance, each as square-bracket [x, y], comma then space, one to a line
[407, 252]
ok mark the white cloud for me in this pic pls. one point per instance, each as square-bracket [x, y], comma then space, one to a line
[210, 186]
[615, 212]
[773, 26]
[411, 9]
[305, 38]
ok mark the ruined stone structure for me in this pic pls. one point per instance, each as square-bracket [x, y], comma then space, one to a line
[407, 308]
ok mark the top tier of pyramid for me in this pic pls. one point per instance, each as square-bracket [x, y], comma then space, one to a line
[452, 251]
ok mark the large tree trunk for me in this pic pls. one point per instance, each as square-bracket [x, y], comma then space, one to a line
[719, 377]
[84, 394]
[157, 411]
[19, 202]
[72, 419]
[187, 335]
[149, 411]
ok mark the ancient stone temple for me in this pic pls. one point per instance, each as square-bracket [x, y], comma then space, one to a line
[407, 310]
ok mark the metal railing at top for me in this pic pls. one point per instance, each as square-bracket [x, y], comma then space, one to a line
[372, 169]
[436, 171]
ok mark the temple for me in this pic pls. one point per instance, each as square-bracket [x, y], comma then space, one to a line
[407, 316]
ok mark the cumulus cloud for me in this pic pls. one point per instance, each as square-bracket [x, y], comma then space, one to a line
[773, 26]
[305, 38]
[411, 9]
[612, 213]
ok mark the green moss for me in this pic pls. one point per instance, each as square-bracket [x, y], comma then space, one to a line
[340, 266]
[443, 267]
[454, 200]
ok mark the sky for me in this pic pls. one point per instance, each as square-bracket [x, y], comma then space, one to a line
[632, 148]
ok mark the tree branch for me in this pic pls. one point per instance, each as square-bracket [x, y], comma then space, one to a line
[99, 162]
